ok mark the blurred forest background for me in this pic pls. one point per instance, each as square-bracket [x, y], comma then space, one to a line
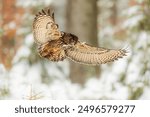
[106, 23]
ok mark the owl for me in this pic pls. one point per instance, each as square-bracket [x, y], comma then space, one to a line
[57, 45]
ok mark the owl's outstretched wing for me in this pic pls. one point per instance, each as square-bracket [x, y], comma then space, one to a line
[45, 28]
[56, 45]
[86, 54]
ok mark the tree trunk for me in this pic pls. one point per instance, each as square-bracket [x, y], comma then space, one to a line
[82, 21]
[10, 22]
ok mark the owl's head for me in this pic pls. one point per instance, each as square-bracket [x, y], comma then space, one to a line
[44, 27]
[69, 39]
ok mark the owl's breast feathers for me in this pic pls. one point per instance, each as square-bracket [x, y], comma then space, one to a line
[54, 50]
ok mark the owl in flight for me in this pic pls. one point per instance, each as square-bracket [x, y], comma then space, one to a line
[57, 45]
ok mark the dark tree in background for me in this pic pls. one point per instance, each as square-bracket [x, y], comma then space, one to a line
[82, 21]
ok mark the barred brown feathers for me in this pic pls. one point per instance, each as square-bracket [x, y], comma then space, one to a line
[56, 45]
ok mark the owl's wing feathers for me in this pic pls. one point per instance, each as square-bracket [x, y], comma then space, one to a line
[56, 46]
[45, 28]
[87, 54]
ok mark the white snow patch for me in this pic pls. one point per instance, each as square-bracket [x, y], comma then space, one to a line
[133, 21]
[132, 10]
[29, 40]
[12, 25]
[23, 52]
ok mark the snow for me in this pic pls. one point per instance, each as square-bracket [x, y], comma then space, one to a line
[22, 76]
[2, 69]
[23, 52]
[29, 40]
[133, 21]
[142, 40]
[132, 10]
[146, 94]
[135, 16]
[32, 2]
[12, 25]
[3, 77]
